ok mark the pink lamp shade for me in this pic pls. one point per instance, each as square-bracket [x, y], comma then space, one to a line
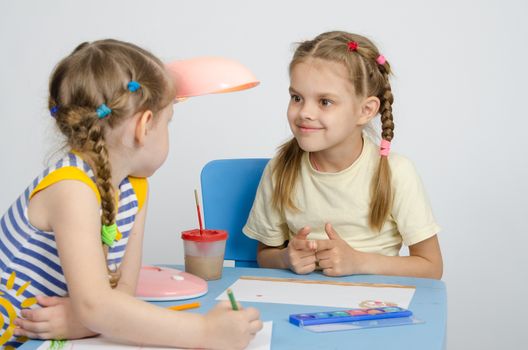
[209, 75]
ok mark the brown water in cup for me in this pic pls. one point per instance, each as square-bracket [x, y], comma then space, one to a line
[208, 268]
[204, 252]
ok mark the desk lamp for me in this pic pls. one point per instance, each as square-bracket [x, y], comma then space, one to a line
[209, 75]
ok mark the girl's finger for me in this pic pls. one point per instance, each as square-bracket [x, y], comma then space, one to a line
[252, 314]
[255, 326]
[35, 327]
[19, 332]
[36, 315]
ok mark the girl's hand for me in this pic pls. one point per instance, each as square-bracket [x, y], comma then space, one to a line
[230, 329]
[55, 320]
[336, 257]
[299, 255]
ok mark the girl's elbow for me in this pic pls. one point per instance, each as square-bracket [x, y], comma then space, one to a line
[437, 271]
[436, 275]
[261, 256]
[261, 262]
[440, 273]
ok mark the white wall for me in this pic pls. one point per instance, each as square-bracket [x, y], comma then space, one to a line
[460, 82]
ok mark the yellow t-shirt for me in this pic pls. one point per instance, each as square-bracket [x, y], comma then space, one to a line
[343, 199]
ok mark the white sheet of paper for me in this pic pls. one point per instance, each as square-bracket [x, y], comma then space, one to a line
[342, 296]
[262, 341]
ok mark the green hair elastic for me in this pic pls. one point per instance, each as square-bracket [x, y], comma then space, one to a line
[108, 234]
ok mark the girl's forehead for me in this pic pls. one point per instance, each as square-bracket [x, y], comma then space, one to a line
[321, 74]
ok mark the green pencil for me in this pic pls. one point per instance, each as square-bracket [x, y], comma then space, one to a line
[232, 299]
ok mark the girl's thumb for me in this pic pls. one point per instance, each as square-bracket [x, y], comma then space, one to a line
[331, 232]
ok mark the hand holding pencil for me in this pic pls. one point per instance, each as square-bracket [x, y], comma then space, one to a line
[231, 325]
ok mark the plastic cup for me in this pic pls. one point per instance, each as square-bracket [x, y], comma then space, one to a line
[204, 253]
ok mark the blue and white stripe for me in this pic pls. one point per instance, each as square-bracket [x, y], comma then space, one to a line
[32, 253]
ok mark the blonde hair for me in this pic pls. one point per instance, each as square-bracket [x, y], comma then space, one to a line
[369, 78]
[98, 73]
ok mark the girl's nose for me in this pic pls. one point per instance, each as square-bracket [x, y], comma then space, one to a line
[306, 112]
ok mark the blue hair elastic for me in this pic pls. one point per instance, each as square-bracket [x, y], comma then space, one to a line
[103, 111]
[133, 86]
[54, 110]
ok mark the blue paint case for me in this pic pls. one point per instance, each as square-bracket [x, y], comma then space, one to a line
[351, 315]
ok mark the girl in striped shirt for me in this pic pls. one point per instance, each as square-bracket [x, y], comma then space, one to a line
[71, 243]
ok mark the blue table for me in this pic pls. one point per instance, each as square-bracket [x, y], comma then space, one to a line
[428, 304]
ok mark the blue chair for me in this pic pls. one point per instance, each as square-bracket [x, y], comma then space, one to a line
[228, 191]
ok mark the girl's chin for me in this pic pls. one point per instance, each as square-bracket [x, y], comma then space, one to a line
[307, 147]
[142, 174]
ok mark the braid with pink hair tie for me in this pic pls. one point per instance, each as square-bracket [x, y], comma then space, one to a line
[385, 148]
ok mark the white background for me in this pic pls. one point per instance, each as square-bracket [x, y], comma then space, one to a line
[460, 115]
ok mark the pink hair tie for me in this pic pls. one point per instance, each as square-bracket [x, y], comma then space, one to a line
[352, 46]
[385, 148]
[381, 60]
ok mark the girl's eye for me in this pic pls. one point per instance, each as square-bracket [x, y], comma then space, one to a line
[295, 98]
[326, 102]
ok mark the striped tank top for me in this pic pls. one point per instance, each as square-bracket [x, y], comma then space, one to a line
[29, 262]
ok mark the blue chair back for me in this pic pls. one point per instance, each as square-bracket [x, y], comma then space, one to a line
[228, 191]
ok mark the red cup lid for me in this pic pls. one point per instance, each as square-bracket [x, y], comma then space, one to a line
[205, 236]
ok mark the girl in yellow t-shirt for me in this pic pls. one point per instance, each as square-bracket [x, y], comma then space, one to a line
[331, 199]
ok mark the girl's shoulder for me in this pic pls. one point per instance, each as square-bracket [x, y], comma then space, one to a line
[399, 162]
[402, 169]
[140, 188]
[70, 167]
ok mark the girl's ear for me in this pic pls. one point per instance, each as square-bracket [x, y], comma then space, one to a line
[142, 126]
[369, 109]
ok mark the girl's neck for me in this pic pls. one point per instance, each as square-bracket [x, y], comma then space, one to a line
[333, 161]
[118, 174]
[119, 170]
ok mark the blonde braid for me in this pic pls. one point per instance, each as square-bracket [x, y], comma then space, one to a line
[96, 149]
[99, 155]
[386, 99]
[381, 185]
